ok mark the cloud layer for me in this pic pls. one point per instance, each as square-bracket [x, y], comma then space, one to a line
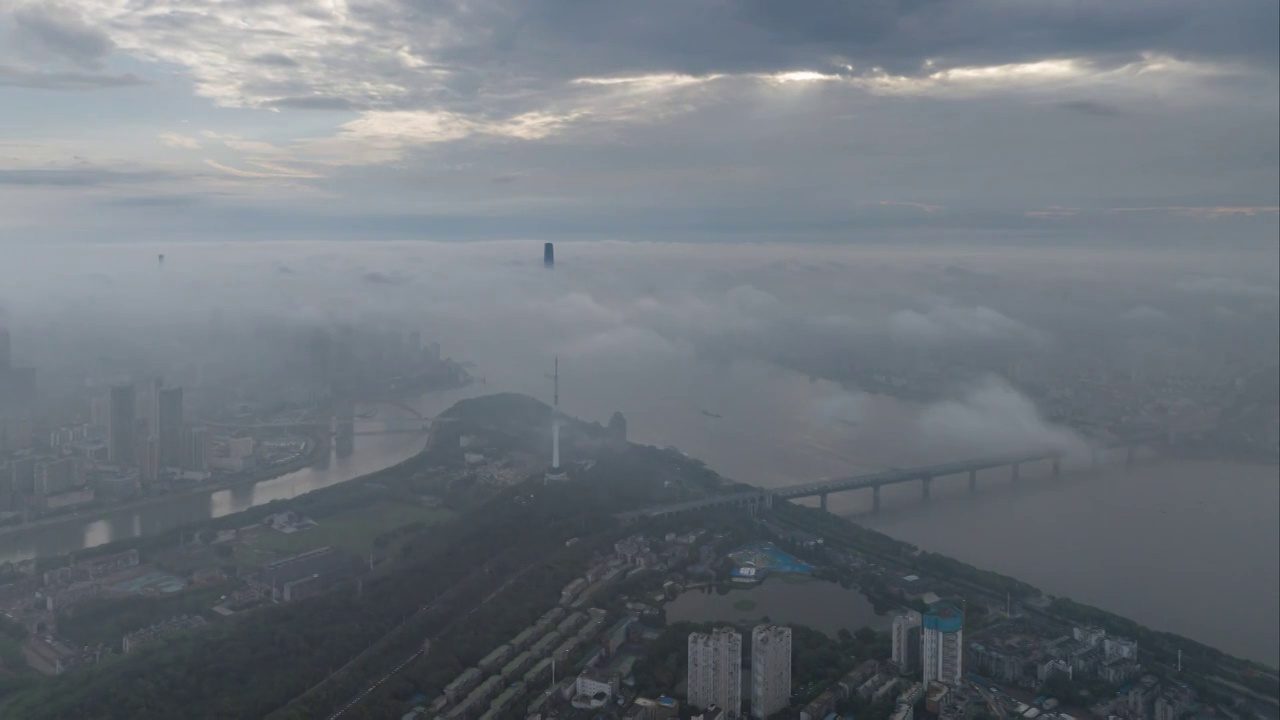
[1149, 121]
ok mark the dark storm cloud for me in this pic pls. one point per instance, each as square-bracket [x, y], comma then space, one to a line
[899, 35]
[55, 29]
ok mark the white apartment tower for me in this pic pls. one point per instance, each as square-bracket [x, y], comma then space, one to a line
[770, 669]
[942, 648]
[715, 670]
[906, 641]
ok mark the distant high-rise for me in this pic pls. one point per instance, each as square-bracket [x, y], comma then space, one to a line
[169, 426]
[100, 412]
[548, 255]
[941, 650]
[149, 400]
[197, 450]
[715, 670]
[56, 476]
[148, 458]
[121, 445]
[17, 384]
[770, 669]
[906, 641]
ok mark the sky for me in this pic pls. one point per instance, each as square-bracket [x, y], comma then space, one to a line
[1147, 122]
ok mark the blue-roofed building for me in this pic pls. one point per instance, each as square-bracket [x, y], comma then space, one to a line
[942, 644]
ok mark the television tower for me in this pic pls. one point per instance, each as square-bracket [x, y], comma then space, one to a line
[554, 473]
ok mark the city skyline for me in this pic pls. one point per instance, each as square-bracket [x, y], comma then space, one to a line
[839, 282]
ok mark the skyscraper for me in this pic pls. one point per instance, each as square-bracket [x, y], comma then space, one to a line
[197, 450]
[548, 255]
[148, 401]
[943, 642]
[100, 412]
[715, 670]
[770, 669]
[6, 350]
[148, 454]
[121, 446]
[906, 641]
[169, 426]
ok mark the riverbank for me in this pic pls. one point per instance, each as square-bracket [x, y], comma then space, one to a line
[1134, 533]
[163, 514]
[101, 511]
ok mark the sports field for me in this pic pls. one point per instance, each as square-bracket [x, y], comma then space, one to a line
[354, 530]
[767, 556]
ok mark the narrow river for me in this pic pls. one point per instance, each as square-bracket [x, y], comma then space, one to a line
[372, 453]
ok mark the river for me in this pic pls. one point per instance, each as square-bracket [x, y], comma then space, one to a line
[371, 453]
[1187, 547]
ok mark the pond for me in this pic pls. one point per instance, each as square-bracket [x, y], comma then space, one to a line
[823, 606]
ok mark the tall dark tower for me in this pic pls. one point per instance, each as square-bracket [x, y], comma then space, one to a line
[548, 255]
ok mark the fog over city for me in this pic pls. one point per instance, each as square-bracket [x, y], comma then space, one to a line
[525, 359]
[638, 325]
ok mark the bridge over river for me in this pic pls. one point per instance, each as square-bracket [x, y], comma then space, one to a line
[339, 424]
[925, 475]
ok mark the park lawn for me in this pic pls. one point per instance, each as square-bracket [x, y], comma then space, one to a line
[11, 653]
[354, 530]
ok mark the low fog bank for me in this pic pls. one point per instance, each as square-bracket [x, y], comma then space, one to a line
[804, 341]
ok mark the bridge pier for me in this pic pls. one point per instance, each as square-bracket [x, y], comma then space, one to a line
[973, 481]
[925, 484]
[822, 499]
[1057, 467]
[1015, 471]
[875, 498]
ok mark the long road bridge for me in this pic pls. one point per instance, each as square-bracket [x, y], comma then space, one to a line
[392, 428]
[338, 424]
[875, 480]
